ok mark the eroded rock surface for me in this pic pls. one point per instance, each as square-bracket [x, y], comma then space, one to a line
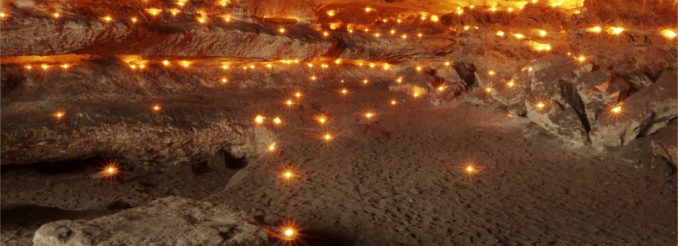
[167, 221]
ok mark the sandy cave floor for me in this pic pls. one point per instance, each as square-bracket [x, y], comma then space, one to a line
[396, 180]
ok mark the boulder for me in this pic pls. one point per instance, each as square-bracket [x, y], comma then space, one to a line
[664, 143]
[167, 221]
[643, 114]
[554, 83]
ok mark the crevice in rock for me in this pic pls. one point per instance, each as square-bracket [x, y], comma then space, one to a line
[29, 215]
[223, 160]
[466, 72]
[71, 166]
[570, 94]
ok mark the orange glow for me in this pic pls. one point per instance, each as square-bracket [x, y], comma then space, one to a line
[470, 169]
[259, 119]
[287, 175]
[156, 107]
[289, 103]
[369, 115]
[65, 66]
[488, 89]
[500, 33]
[540, 105]
[331, 13]
[321, 119]
[154, 11]
[510, 83]
[56, 15]
[107, 18]
[3, 15]
[328, 137]
[541, 47]
[277, 121]
[281, 30]
[393, 102]
[59, 115]
[297, 94]
[491, 73]
[368, 9]
[289, 233]
[185, 63]
[668, 34]
[272, 147]
[343, 91]
[110, 170]
[615, 30]
[616, 109]
[165, 63]
[174, 11]
[366, 81]
[595, 29]
[580, 58]
[542, 33]
[134, 19]
[224, 80]
[45, 66]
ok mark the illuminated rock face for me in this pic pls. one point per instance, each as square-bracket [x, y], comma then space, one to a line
[134, 55]
[171, 220]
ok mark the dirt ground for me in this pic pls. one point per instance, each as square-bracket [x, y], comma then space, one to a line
[397, 179]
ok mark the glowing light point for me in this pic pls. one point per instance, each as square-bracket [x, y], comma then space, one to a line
[165, 63]
[282, 30]
[668, 34]
[287, 175]
[272, 147]
[259, 119]
[107, 18]
[56, 15]
[393, 102]
[616, 109]
[368, 9]
[156, 107]
[540, 105]
[59, 115]
[343, 91]
[615, 30]
[277, 121]
[470, 169]
[289, 233]
[500, 33]
[369, 115]
[110, 170]
[580, 58]
[321, 119]
[595, 29]
[328, 137]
